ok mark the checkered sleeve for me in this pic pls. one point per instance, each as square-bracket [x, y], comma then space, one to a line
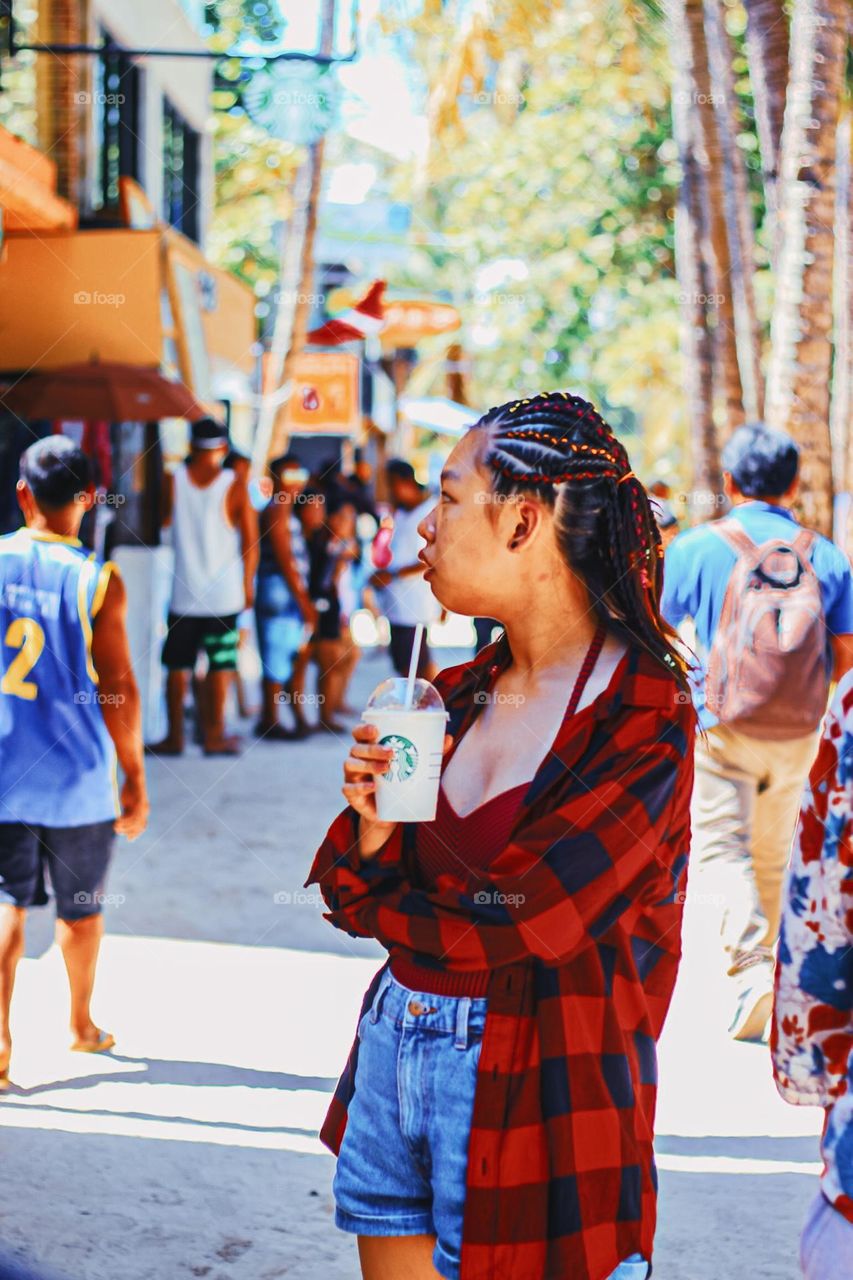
[602, 853]
[341, 872]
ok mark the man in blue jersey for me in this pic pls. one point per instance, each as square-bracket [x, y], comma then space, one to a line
[749, 781]
[69, 706]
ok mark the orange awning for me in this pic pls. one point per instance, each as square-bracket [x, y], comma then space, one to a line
[28, 189]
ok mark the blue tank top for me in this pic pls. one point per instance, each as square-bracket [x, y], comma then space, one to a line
[57, 762]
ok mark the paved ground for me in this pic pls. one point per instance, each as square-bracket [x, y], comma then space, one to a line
[193, 1151]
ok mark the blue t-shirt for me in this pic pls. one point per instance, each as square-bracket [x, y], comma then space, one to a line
[698, 566]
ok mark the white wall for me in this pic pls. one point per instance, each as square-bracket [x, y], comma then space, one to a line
[163, 24]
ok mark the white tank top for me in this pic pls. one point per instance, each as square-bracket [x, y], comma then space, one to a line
[208, 564]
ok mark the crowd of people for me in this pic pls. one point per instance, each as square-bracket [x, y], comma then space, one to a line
[731, 754]
[296, 554]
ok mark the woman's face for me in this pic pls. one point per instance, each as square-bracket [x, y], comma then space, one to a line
[472, 567]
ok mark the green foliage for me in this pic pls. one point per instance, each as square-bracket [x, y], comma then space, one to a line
[253, 171]
[574, 187]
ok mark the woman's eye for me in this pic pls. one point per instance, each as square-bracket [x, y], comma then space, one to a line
[445, 496]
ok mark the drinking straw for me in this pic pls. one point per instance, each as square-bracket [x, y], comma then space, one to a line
[413, 665]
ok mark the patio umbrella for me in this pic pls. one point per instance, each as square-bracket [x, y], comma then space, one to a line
[102, 389]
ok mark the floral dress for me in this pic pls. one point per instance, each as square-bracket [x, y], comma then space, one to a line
[812, 1036]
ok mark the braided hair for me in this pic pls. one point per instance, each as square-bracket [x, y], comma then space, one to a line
[556, 446]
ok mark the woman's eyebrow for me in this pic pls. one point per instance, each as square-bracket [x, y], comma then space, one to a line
[449, 475]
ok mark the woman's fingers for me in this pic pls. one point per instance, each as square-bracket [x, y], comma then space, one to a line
[448, 743]
[367, 758]
[360, 763]
[360, 795]
[373, 751]
[366, 732]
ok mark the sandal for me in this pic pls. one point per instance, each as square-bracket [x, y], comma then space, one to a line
[103, 1044]
[227, 747]
[274, 733]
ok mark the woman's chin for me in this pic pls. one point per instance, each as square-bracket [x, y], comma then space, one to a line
[453, 601]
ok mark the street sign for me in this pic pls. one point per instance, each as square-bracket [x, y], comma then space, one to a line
[325, 398]
[296, 101]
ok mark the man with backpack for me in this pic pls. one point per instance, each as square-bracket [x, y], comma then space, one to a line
[772, 606]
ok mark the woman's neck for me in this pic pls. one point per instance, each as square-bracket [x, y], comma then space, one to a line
[552, 625]
[537, 643]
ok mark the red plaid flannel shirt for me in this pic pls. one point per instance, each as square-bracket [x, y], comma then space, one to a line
[582, 933]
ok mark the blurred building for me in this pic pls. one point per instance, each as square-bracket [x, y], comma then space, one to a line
[106, 215]
[106, 195]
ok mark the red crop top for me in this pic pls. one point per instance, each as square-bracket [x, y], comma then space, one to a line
[451, 845]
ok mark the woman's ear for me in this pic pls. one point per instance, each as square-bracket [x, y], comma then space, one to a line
[526, 518]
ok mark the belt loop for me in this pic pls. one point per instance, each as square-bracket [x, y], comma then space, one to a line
[380, 994]
[463, 1008]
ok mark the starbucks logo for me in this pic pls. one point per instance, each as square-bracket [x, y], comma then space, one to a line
[405, 759]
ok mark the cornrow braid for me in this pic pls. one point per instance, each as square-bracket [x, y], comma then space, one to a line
[557, 446]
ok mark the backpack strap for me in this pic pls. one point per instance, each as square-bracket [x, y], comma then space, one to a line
[804, 543]
[733, 532]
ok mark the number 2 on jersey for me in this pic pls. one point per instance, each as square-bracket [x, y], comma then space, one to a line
[26, 635]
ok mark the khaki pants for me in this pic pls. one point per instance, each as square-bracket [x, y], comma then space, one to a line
[746, 800]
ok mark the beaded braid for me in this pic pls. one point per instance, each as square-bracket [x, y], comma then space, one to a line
[559, 446]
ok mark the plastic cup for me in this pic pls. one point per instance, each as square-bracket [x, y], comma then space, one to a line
[408, 790]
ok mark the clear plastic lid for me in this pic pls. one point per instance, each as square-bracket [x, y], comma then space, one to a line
[390, 695]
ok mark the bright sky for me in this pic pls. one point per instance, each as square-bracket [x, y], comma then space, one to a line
[379, 106]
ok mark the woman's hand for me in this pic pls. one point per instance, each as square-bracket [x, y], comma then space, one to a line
[362, 766]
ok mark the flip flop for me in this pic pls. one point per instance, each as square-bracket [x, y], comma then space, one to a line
[103, 1044]
[274, 733]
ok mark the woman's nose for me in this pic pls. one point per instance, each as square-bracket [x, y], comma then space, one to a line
[426, 528]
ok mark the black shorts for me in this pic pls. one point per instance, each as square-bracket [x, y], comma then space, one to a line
[76, 860]
[402, 639]
[218, 637]
[328, 618]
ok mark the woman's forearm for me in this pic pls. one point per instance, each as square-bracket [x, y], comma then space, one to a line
[372, 836]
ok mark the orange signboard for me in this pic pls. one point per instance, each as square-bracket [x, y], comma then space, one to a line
[28, 189]
[407, 320]
[73, 297]
[325, 397]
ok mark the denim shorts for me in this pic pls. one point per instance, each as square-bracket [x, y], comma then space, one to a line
[280, 628]
[403, 1160]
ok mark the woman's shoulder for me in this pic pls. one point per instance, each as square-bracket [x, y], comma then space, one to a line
[648, 691]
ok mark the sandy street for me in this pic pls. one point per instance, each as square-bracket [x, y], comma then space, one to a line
[192, 1151]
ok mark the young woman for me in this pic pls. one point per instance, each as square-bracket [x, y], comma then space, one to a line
[495, 1118]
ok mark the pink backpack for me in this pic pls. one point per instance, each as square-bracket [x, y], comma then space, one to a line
[767, 673]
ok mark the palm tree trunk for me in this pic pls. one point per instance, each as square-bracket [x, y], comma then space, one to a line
[842, 378]
[738, 210]
[301, 314]
[696, 340]
[715, 240]
[767, 54]
[801, 328]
